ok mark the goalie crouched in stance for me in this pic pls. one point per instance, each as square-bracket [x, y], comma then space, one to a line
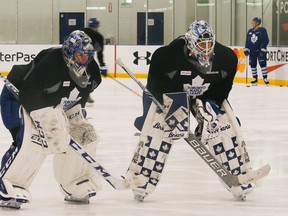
[197, 65]
[53, 89]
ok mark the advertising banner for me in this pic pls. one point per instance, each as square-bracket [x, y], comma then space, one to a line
[138, 58]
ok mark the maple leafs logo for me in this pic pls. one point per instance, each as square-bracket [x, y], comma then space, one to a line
[254, 38]
[196, 88]
[68, 102]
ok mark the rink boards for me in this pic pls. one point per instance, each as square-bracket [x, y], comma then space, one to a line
[138, 58]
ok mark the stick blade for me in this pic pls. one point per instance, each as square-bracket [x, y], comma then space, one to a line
[120, 62]
[255, 175]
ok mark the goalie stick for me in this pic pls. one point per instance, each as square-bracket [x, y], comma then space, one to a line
[134, 92]
[203, 152]
[118, 184]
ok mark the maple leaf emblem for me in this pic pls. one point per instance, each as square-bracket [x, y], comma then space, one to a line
[152, 154]
[231, 155]
[145, 172]
[218, 149]
[154, 181]
[171, 122]
[254, 38]
[197, 87]
[68, 102]
[159, 167]
[236, 172]
[165, 148]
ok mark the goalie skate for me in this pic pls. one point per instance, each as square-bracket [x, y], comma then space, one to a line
[139, 195]
[11, 202]
[74, 200]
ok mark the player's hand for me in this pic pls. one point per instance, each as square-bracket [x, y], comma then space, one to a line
[246, 51]
[263, 52]
[209, 112]
[103, 70]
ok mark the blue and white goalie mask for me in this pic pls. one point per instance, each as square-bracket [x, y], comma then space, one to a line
[78, 51]
[200, 41]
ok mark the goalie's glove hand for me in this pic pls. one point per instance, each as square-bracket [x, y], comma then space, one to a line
[209, 111]
[103, 70]
[246, 51]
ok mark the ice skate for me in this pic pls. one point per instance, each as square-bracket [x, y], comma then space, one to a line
[254, 82]
[241, 198]
[266, 81]
[139, 195]
[74, 200]
[12, 202]
[90, 99]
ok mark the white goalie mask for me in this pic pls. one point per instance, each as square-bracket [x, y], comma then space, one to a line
[77, 52]
[200, 41]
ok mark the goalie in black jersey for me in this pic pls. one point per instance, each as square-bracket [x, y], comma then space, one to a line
[53, 89]
[204, 69]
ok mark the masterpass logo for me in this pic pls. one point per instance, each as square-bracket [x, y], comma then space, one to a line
[16, 57]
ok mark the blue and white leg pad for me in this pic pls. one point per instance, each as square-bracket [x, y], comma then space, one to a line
[229, 148]
[157, 136]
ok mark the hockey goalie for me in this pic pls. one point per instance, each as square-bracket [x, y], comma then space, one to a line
[44, 119]
[201, 68]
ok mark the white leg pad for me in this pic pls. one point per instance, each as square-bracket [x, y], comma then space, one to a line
[70, 169]
[23, 163]
[53, 127]
[9, 190]
[75, 176]
[85, 185]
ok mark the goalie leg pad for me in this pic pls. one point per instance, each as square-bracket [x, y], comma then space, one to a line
[12, 191]
[74, 175]
[176, 114]
[53, 127]
[20, 164]
[229, 150]
[241, 191]
[157, 136]
[85, 186]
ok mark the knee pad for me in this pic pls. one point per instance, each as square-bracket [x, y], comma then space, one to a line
[21, 163]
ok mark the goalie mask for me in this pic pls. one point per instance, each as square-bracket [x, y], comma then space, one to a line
[78, 51]
[200, 41]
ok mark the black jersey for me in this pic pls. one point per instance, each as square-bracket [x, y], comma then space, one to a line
[46, 82]
[173, 70]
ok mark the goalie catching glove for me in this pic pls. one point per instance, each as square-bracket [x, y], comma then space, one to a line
[209, 112]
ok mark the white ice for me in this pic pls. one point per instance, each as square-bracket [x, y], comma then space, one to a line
[188, 186]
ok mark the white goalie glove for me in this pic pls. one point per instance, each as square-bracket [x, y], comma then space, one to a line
[208, 113]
